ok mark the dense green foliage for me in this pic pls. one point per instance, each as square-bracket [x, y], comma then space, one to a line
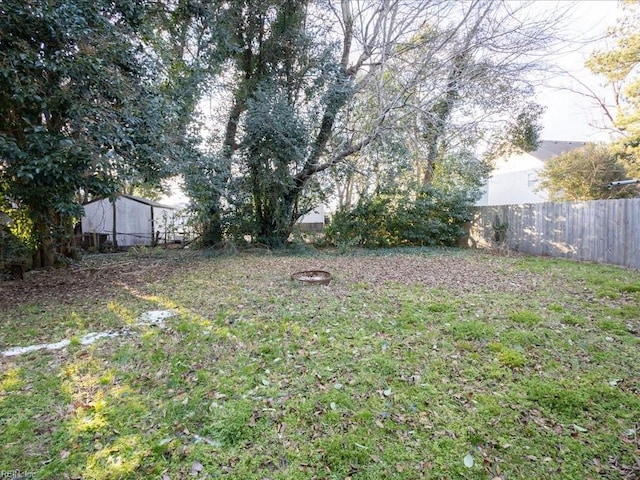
[288, 84]
[79, 109]
[99, 96]
[432, 218]
[12, 250]
[584, 174]
[435, 216]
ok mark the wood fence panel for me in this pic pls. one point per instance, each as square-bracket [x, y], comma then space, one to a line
[604, 231]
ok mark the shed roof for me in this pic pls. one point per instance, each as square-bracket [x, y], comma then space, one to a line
[548, 149]
[139, 200]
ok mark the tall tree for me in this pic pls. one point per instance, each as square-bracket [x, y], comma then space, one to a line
[78, 108]
[288, 85]
[620, 66]
[455, 82]
[295, 80]
[194, 39]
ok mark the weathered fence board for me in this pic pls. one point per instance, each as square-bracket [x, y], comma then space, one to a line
[605, 231]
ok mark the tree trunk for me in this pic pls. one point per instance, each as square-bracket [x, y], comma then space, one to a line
[276, 214]
[439, 116]
[213, 228]
[45, 254]
[64, 225]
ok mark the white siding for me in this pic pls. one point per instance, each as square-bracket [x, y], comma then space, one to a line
[97, 217]
[517, 163]
[133, 221]
[514, 179]
[513, 182]
[165, 221]
[514, 188]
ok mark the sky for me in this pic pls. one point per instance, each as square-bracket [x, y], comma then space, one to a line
[570, 116]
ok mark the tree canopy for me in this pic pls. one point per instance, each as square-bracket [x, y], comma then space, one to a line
[584, 174]
[621, 67]
[99, 95]
[80, 110]
[396, 86]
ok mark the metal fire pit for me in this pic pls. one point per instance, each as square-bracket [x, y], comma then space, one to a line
[312, 277]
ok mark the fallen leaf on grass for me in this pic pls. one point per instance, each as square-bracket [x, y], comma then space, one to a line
[424, 465]
[196, 468]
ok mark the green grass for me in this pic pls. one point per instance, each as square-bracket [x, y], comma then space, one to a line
[528, 365]
[525, 317]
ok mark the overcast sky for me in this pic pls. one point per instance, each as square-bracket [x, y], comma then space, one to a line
[570, 116]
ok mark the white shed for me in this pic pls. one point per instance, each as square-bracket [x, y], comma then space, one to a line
[138, 221]
[313, 220]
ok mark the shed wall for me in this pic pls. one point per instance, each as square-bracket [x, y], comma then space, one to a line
[133, 220]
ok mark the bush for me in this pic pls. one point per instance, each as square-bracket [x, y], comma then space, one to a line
[433, 218]
[365, 225]
[12, 250]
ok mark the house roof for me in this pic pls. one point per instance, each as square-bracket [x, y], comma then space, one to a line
[145, 201]
[548, 149]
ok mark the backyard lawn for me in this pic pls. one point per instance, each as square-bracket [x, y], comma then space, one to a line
[417, 363]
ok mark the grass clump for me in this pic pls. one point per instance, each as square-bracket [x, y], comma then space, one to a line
[631, 288]
[511, 358]
[567, 401]
[571, 319]
[612, 326]
[526, 317]
[471, 330]
[235, 423]
[507, 357]
[440, 307]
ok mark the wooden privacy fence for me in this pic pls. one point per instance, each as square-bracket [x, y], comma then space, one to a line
[605, 231]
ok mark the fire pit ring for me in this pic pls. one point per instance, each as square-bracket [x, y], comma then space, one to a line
[312, 277]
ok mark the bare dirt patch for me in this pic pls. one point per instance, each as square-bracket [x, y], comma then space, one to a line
[463, 271]
[99, 276]
[102, 276]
